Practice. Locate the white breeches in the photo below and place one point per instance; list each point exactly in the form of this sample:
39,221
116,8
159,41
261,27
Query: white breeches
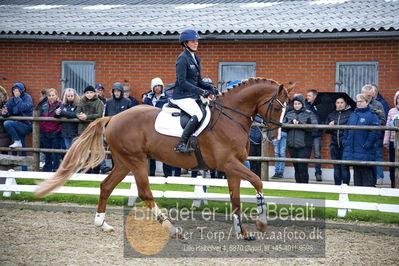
189,106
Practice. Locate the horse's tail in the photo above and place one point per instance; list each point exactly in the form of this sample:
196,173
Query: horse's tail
86,152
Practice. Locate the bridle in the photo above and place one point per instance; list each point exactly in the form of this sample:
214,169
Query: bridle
268,114
266,118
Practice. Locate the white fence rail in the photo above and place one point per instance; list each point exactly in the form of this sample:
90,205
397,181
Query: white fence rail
343,204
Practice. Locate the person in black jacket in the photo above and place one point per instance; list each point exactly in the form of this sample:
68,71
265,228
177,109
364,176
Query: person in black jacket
189,86
117,103
299,141
339,117
317,134
69,130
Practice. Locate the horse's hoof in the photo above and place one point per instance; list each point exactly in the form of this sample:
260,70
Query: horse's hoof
250,238
261,226
177,236
107,228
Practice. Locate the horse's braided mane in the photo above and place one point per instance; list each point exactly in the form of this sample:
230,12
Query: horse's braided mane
251,81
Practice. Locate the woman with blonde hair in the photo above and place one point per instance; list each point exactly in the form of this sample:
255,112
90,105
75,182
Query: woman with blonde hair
360,145
70,102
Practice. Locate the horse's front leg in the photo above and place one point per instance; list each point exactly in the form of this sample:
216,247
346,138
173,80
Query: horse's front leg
234,188
240,171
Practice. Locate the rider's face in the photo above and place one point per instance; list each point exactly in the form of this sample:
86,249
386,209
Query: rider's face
193,45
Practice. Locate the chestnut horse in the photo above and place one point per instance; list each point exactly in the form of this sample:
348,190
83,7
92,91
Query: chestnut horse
224,146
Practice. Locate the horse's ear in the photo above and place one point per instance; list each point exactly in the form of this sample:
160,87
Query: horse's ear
291,86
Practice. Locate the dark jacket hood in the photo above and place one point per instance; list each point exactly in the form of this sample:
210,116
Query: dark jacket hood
20,86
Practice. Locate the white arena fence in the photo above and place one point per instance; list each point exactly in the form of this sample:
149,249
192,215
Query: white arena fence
199,196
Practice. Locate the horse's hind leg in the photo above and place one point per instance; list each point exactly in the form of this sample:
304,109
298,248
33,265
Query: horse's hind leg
117,174
143,187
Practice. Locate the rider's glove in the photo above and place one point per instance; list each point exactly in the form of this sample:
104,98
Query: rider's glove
205,93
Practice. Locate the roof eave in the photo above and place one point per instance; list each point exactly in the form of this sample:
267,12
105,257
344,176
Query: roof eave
212,36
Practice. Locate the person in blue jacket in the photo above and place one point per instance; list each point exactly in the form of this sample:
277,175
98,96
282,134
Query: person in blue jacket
20,104
189,86
360,145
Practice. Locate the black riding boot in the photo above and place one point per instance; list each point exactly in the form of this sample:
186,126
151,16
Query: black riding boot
182,146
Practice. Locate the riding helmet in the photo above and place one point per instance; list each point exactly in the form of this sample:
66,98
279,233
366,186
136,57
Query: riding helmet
188,35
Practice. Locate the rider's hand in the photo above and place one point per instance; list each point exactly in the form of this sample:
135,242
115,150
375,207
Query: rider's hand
205,93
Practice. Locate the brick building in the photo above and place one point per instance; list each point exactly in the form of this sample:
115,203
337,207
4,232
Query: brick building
330,45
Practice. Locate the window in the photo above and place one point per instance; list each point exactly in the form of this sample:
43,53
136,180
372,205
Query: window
352,76
78,75
231,71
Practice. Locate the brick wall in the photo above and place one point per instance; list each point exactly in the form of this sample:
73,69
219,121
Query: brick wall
309,64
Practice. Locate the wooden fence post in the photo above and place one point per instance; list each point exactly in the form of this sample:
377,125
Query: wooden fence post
36,141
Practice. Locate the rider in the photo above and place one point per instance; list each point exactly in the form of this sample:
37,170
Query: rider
189,86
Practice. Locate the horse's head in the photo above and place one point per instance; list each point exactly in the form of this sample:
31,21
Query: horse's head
273,110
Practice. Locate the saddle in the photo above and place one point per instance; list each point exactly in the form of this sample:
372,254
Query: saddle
172,120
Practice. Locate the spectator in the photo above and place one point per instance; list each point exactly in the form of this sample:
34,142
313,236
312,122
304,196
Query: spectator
299,141
339,117
280,146
156,97
316,134
117,104
100,92
359,145
69,130
5,139
126,94
372,92
42,99
20,104
255,146
90,108
50,131
389,137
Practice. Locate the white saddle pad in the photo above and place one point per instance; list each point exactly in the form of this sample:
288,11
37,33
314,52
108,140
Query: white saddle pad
167,124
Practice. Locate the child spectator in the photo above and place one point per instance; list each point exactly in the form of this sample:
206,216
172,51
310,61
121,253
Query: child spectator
360,145
389,137
50,132
70,102
90,108
300,141
339,117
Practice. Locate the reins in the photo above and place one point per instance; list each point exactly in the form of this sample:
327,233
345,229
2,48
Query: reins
218,106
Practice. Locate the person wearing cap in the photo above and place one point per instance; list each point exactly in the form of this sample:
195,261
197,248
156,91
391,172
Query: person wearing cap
90,107
126,94
189,86
100,92
300,141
